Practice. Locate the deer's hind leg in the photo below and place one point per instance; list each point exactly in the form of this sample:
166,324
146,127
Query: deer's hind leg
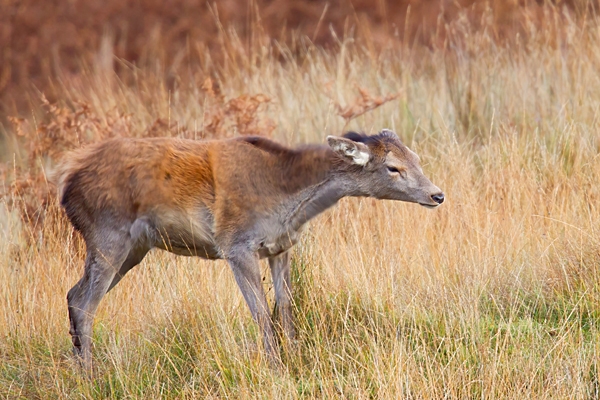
104,259
141,236
135,256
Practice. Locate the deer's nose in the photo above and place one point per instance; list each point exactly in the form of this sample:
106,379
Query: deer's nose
438,198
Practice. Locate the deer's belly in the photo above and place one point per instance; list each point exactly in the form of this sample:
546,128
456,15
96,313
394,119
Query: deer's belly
187,235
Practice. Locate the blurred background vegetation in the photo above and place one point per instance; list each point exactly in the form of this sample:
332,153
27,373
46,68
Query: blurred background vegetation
42,42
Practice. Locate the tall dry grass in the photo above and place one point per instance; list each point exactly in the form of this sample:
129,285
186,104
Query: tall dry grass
44,41
495,294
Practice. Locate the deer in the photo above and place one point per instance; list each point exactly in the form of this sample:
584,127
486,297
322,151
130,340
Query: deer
241,200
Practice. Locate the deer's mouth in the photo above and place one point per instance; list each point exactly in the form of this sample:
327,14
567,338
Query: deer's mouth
437,198
429,205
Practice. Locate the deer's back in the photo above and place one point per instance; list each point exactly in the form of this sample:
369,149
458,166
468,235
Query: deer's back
187,191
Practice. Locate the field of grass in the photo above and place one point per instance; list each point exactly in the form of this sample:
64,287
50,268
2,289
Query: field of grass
496,294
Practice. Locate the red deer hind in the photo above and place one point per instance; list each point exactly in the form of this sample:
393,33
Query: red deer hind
240,199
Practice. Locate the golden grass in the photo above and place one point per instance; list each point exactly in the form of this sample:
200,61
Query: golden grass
495,294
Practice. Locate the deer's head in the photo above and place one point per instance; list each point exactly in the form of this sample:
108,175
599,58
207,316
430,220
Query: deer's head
381,166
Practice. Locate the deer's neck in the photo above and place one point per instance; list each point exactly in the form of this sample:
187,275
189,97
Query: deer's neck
320,182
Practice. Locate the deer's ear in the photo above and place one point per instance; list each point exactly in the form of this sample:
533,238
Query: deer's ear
351,151
389,133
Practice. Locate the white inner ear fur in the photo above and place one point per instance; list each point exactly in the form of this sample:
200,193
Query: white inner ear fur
359,157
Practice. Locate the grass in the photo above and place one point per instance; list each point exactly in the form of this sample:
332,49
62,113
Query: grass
494,295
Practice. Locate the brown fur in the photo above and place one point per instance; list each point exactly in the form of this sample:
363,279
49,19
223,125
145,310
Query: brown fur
239,199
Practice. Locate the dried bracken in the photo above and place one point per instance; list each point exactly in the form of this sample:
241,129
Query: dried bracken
39,36
363,103
68,128
241,115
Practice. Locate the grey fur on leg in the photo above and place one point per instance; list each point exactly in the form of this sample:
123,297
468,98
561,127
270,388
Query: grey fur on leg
280,271
84,297
135,256
246,271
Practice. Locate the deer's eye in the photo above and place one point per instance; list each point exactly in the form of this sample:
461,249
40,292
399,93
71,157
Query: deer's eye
394,170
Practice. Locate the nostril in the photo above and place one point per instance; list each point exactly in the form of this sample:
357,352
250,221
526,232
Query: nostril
438,198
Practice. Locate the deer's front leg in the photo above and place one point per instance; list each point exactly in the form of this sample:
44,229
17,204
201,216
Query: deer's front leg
246,270
280,271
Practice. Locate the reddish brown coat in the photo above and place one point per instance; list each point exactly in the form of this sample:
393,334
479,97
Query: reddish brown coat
239,199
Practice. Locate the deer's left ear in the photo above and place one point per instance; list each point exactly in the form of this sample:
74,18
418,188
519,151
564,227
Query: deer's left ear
351,151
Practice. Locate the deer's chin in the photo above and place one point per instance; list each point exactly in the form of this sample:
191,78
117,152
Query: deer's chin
429,205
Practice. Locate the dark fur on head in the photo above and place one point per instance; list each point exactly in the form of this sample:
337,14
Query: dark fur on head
379,144
366,139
